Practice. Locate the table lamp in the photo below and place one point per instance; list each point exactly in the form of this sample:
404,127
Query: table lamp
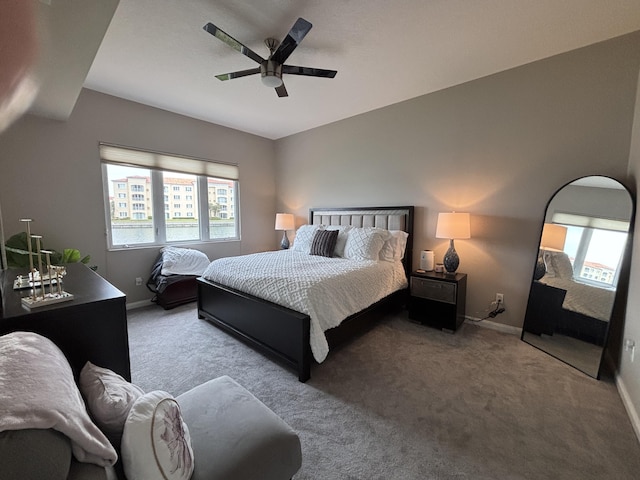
452,225
553,239
285,221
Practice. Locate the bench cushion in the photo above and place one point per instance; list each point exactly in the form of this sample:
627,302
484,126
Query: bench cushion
234,435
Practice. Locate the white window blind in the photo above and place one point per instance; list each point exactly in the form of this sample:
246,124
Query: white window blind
166,162
590,222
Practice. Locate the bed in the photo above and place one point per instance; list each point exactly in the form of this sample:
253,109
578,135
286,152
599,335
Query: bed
586,309
286,333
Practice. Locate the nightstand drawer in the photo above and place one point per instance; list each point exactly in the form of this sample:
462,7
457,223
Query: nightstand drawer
433,290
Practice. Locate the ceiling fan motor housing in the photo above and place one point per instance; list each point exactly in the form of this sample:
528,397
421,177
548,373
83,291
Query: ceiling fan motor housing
271,73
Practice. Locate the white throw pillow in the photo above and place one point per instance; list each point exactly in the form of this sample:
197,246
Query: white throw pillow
183,261
365,243
156,441
343,234
109,397
393,249
304,238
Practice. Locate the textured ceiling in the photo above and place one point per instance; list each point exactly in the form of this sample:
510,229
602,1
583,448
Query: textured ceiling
156,52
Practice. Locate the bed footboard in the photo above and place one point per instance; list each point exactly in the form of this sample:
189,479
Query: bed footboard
275,330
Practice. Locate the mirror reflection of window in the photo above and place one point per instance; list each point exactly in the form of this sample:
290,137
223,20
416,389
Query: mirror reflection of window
595,247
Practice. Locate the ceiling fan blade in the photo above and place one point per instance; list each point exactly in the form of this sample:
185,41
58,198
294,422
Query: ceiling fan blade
292,40
241,73
282,91
312,72
232,42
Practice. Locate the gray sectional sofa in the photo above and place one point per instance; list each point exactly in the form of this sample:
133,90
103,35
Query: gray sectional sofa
233,435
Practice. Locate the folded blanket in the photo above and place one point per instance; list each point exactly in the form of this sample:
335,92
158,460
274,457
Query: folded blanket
37,390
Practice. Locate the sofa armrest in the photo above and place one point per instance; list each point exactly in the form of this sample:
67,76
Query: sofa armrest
32,454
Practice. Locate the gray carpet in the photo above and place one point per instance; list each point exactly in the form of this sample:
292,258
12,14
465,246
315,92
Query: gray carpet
405,401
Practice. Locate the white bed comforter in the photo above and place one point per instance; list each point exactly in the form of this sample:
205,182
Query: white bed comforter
327,289
588,300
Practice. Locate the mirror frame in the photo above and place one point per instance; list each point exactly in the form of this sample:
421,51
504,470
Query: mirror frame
619,300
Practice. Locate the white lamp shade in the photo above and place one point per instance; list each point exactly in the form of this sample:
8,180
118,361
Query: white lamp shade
453,225
285,221
553,237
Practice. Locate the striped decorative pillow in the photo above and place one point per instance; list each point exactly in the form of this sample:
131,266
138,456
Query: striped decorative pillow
324,243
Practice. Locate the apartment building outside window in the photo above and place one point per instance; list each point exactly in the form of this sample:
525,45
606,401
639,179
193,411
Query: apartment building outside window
140,174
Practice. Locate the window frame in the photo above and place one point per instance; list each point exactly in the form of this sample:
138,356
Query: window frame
589,225
159,190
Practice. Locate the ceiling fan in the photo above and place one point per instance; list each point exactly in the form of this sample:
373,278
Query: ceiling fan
272,68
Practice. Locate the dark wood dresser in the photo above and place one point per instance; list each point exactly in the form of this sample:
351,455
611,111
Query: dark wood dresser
92,326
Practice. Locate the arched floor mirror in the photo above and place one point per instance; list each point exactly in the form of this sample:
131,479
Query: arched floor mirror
583,247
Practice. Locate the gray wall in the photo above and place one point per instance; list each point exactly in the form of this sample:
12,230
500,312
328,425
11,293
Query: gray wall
497,147
629,372
50,171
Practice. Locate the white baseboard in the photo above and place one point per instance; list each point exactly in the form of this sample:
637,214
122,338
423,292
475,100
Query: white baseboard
634,417
500,327
140,304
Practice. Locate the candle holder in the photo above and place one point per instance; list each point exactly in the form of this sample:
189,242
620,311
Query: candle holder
37,279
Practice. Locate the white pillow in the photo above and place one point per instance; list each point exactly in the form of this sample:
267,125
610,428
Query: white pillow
156,441
183,261
304,238
393,249
343,234
109,397
365,243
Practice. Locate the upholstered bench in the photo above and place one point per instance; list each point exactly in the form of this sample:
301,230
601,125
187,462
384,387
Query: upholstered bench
235,436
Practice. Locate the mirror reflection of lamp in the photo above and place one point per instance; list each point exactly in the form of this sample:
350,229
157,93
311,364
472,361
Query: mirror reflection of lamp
285,221
553,239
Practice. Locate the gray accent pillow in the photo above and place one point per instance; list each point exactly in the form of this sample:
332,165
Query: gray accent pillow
324,243
109,398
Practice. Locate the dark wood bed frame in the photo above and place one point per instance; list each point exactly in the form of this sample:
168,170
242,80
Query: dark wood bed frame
284,333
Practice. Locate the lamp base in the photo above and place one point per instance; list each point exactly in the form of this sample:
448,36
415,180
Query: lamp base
451,259
541,269
284,244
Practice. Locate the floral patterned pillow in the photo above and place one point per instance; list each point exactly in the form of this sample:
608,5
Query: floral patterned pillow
156,441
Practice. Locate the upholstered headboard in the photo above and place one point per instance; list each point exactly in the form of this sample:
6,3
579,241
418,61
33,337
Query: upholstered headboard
389,218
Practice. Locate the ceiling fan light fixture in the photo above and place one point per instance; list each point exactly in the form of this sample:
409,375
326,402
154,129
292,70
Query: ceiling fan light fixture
271,73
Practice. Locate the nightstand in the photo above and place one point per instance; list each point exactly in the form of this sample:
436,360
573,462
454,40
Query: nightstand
438,299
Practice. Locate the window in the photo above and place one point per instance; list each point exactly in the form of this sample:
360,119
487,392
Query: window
138,172
595,247
222,191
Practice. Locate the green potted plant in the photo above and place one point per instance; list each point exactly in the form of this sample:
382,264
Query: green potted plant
18,253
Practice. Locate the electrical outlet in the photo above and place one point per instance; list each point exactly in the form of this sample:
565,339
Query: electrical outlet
499,298
630,346
138,281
